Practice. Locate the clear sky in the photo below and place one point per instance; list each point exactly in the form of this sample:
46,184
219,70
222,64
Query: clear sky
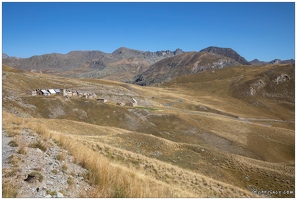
255,30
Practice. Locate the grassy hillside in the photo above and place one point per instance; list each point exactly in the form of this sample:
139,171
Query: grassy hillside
202,134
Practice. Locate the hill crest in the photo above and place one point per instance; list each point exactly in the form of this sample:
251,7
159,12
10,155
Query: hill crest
187,63
228,52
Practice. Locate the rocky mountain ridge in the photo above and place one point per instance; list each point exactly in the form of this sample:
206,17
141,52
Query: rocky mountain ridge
4,56
275,61
187,63
75,59
121,64
228,52
124,64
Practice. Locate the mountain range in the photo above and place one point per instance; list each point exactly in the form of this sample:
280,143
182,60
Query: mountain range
133,66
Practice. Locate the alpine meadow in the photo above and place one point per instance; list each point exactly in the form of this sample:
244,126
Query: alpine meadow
148,124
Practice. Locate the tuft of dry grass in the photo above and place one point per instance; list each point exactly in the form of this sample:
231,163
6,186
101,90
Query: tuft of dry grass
13,143
9,190
55,171
37,175
9,172
40,145
70,181
64,168
12,123
22,150
13,133
39,128
12,160
22,147
61,157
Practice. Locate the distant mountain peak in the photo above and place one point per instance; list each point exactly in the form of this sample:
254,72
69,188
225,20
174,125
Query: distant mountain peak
228,52
275,61
123,50
4,56
255,60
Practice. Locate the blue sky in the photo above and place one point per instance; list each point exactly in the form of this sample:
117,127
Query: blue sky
255,30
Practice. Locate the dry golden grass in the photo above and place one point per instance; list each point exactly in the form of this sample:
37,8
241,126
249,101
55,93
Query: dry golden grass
101,170
119,180
22,147
200,186
9,190
110,180
61,156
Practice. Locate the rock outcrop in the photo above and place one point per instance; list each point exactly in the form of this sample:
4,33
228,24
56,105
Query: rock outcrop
42,171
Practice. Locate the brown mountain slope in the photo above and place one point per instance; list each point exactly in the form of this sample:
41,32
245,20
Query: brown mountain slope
54,62
268,90
124,64
187,63
228,52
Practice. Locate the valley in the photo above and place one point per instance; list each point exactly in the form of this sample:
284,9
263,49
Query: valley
224,132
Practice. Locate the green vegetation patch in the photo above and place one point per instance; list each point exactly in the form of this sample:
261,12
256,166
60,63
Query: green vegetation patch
36,175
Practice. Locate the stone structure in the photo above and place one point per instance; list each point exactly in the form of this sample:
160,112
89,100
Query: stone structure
63,92
102,100
133,103
32,92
